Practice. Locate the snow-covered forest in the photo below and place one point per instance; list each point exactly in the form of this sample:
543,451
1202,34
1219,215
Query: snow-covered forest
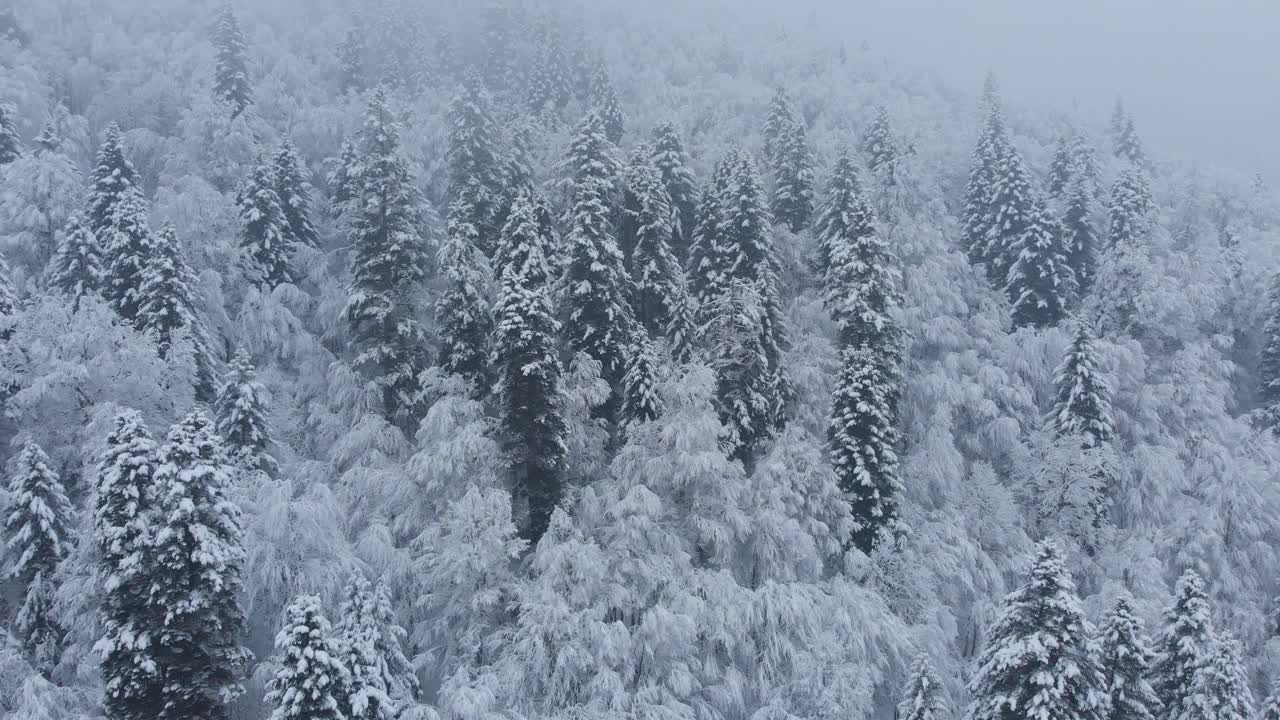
507,360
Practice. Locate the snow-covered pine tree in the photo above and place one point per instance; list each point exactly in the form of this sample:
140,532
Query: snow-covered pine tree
294,193
10,141
707,264
8,298
125,493
1126,661
477,165
1080,239
382,682
978,217
1013,206
640,401
265,238
656,275
879,146
1061,168
167,303
37,531
780,117
532,428
464,313
77,269
1039,657
193,572
344,179
1130,208
793,177
351,53
1184,644
1270,709
550,87
672,161
129,248
1040,282
600,323
312,683
1127,144
231,76
499,46
388,262
733,343
1085,165
1083,404
114,180
241,414
604,102
923,697
1269,361
1220,686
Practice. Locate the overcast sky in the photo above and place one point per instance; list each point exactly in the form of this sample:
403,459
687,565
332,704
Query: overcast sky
1202,77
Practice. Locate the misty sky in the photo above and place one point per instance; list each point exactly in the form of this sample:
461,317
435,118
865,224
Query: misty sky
1200,76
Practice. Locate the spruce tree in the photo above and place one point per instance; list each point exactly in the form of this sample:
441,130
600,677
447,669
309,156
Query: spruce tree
231,77
388,262
1130,208
499,45
1061,168
1186,640
1040,282
1270,709
672,161
532,428
733,343
779,119
114,180
923,695
1084,164
193,573
599,315
707,265
550,87
793,176
654,270
381,677
604,103
864,442
351,54
879,146
1039,661
167,302
1083,405
124,495
37,531
1126,661
640,401
476,165
464,311
988,158
1016,216
77,269
241,415
312,682
294,194
1220,687
10,141
1269,361
265,238
1127,144
344,179
1080,239
129,249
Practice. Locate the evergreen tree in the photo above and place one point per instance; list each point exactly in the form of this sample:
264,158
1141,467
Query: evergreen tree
1061,168
381,680
167,303
344,180
1039,661
312,683
193,575
1220,687
989,158
37,530
1084,164
864,444
1125,661
124,495
531,425
294,194
655,272
464,311
708,267
1130,208
10,141
1271,705
604,102
476,166
550,87
114,180
640,402
241,414
879,146
1187,639
129,248
1040,282
1269,361
265,237
500,69
1127,144
673,164
600,322
77,268
1016,215
388,262
923,695
780,118
1080,239
351,54
1083,405
231,77
793,174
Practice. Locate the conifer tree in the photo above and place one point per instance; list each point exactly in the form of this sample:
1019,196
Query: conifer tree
1062,167
1040,282
708,267
1270,709
550,87
10,141
129,248
1080,239
381,677
1083,405
231,77
1187,639
1127,144
476,165
672,161
780,117
344,180
193,573
640,402
1039,658
125,492
604,102
1220,687
351,54
388,262
793,175
1015,213
923,695
879,146
312,683
77,269
1130,208
464,311
654,270
265,237
988,159
114,179
532,427
167,302
1126,661
1084,164
294,194
599,315
241,415
1269,361
37,531
499,47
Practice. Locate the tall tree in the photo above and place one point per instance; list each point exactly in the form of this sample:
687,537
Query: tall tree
1083,405
923,695
1015,214
531,425
780,117
351,55
550,84
640,401
1126,662
656,275
129,247
114,179
1039,658
312,683
241,415
500,69
167,303
1130,208
989,157
1061,168
793,177
476,165
193,573
10,141
1080,239
231,76
1124,136
382,680
294,193
864,444
879,145
265,237
1269,361
1187,638
1270,709
37,530
464,312
388,262
673,163
344,178
1220,687
77,269
604,102
1040,282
